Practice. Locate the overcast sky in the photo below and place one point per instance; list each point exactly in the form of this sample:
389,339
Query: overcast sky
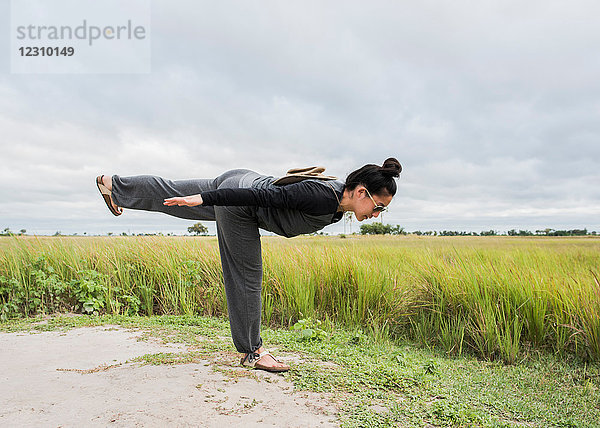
493,109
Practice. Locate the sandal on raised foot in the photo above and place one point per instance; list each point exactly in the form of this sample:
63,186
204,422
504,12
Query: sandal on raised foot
252,360
106,196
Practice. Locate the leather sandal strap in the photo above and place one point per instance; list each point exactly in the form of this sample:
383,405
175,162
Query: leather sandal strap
253,360
103,189
262,354
250,359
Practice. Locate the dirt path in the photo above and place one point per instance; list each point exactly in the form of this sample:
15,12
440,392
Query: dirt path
81,378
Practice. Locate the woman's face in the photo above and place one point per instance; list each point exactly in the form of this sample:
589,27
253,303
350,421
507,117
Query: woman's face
363,204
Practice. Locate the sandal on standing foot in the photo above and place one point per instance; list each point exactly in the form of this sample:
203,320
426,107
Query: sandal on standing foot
252,360
106,196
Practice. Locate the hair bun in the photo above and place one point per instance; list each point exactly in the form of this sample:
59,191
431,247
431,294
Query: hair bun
391,168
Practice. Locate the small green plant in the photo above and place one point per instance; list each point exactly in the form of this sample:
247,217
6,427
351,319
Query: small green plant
131,303
90,292
309,329
11,293
47,292
358,338
429,367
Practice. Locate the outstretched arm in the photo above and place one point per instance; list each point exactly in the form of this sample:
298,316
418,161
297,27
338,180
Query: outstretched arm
185,201
306,196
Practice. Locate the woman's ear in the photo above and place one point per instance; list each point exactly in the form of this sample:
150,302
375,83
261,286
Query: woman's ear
360,190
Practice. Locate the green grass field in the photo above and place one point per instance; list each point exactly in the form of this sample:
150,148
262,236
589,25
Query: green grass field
494,297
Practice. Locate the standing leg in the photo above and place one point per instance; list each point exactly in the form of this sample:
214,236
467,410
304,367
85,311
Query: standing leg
239,245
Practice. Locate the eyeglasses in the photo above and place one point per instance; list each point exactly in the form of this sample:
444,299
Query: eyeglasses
378,208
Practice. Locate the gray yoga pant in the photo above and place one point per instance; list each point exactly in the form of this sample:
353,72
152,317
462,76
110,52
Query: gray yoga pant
237,233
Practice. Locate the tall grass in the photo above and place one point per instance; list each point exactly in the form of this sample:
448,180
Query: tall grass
496,297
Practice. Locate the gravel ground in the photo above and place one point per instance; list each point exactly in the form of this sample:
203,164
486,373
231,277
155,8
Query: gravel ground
82,378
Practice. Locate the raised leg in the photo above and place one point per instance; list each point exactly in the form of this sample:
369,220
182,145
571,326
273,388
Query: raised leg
148,192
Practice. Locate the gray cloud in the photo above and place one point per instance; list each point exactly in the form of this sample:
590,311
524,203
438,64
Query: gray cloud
492,109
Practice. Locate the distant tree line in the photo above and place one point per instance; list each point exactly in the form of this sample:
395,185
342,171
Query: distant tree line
8,232
454,233
381,229
552,232
375,229
388,229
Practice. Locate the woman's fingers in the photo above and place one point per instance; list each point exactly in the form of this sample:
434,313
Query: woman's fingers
175,201
188,201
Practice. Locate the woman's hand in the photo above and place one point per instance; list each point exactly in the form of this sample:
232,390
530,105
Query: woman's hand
185,201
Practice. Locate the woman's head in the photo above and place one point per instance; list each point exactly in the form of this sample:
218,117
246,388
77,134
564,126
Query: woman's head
379,180
370,186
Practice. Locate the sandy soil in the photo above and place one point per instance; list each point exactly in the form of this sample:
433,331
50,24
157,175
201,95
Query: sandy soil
81,378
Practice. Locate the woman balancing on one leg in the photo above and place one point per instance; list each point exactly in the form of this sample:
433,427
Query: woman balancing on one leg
242,201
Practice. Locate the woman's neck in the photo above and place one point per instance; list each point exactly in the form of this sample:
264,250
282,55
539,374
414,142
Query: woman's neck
345,204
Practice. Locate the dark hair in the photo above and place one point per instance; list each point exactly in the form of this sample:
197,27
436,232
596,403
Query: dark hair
377,179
